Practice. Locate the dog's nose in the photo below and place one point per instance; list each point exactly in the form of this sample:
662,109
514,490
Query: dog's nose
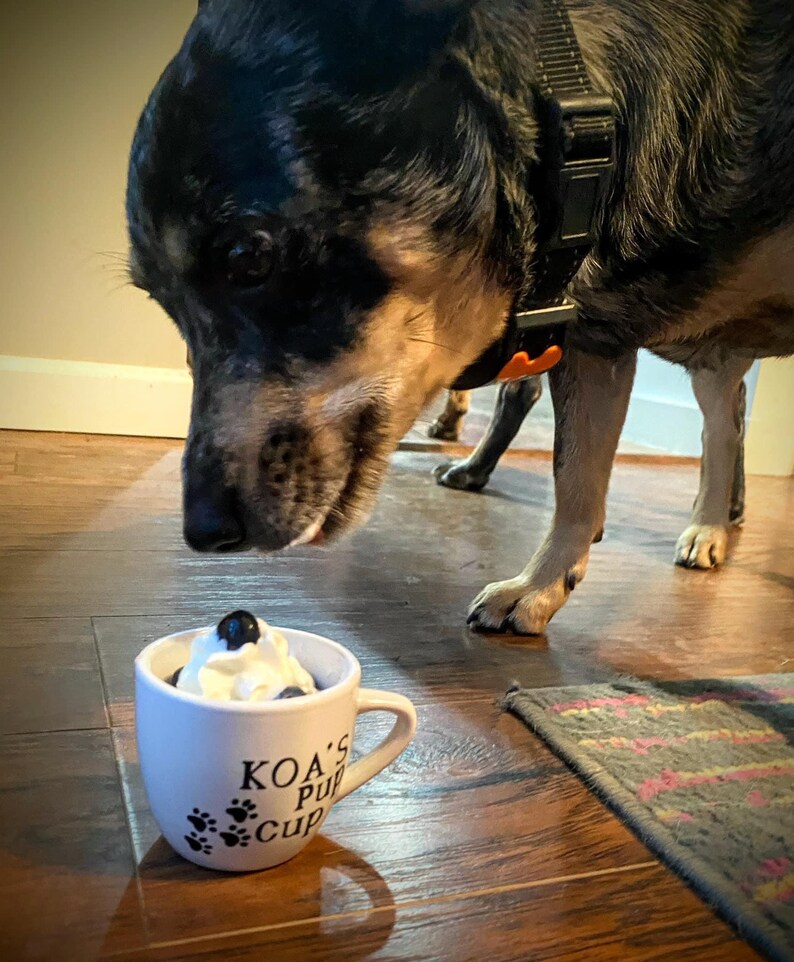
212,519
210,526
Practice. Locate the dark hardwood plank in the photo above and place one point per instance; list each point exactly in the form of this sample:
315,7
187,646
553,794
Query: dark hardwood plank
87,512
50,676
65,858
476,801
56,445
8,461
640,915
92,461
89,492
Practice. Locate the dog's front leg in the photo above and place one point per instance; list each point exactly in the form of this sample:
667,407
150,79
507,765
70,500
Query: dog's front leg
590,398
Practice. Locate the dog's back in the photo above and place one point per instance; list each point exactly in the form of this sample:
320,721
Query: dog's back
705,175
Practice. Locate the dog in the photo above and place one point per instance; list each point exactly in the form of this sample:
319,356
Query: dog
334,203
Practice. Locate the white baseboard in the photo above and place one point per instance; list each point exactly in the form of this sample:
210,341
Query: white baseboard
40,394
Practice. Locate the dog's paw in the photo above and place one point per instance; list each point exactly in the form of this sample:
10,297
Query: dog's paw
517,606
444,430
702,546
458,475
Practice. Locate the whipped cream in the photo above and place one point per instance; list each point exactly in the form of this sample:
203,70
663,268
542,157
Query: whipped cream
254,671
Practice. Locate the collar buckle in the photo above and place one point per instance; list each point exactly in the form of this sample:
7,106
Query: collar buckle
579,162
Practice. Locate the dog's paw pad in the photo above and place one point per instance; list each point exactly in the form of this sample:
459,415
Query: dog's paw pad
702,546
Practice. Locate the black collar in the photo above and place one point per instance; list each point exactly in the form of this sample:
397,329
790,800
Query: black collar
569,187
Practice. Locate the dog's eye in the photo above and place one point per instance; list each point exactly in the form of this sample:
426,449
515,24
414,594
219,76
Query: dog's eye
250,259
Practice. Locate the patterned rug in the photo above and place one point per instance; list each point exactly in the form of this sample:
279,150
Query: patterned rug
703,772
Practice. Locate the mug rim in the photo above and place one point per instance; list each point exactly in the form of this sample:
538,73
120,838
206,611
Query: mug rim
351,680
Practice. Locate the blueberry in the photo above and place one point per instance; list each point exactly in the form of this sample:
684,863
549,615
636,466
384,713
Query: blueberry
291,691
238,629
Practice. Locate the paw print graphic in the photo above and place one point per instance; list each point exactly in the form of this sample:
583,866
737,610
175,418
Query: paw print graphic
202,822
241,810
236,836
199,843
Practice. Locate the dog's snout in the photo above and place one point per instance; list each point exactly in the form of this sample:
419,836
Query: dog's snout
282,452
212,517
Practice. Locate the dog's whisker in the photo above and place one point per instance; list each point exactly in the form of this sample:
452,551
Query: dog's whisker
425,340
115,257
120,275
121,286
117,263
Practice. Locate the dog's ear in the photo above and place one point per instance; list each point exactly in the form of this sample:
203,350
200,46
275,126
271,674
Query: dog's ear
373,45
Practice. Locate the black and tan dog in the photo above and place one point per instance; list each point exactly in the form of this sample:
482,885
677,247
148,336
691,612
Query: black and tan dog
334,203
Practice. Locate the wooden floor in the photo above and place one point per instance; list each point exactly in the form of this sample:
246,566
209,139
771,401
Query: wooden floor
477,844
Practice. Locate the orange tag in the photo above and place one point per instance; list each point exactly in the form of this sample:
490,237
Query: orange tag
522,365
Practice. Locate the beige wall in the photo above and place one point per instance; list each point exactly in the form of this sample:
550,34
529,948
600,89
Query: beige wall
770,438
74,76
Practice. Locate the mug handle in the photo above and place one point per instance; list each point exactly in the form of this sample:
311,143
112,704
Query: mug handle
402,732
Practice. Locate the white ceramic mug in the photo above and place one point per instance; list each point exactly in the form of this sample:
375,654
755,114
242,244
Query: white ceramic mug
240,786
